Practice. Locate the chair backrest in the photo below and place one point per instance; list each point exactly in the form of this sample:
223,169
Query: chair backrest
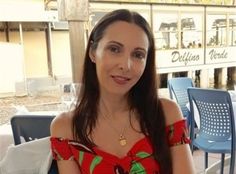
29,127
178,90
215,112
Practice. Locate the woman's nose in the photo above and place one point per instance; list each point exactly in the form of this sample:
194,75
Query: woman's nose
125,63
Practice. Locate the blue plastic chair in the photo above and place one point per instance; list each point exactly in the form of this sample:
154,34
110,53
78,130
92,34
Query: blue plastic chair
217,127
178,90
30,127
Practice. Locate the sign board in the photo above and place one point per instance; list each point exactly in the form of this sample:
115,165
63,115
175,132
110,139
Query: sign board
220,55
179,58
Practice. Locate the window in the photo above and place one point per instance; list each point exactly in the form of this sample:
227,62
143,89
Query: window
216,30
191,30
165,30
232,30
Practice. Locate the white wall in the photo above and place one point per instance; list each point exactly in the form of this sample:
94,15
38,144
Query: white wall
11,66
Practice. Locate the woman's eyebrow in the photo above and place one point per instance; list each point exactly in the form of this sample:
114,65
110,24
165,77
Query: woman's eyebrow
120,44
115,42
141,49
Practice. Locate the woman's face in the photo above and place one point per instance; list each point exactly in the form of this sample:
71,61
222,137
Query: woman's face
120,57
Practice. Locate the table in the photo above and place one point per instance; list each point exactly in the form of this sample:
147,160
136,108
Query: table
6,137
33,157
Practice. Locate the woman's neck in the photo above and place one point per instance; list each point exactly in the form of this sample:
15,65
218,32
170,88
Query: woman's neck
113,105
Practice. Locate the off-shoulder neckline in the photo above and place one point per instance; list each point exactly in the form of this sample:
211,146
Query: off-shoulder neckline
134,148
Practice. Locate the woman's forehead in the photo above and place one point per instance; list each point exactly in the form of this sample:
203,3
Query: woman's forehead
125,32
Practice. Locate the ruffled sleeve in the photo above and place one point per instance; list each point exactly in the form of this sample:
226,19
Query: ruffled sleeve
177,133
65,149
61,149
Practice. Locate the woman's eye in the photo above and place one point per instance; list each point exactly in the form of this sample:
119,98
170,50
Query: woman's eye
139,55
114,49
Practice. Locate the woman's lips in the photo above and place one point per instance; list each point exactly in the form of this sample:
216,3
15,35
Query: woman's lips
120,80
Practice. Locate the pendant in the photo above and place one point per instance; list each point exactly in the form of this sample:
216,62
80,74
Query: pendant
122,140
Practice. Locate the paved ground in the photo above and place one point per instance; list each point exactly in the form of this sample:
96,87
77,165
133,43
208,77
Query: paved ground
8,105
42,102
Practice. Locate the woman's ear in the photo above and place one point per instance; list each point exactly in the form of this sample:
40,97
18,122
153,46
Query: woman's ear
91,55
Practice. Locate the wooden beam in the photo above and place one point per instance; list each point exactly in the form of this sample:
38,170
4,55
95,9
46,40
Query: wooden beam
77,48
76,13
48,33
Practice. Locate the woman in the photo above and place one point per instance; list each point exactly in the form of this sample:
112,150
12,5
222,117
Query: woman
120,125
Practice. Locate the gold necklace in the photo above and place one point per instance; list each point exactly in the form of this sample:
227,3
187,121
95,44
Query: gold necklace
122,139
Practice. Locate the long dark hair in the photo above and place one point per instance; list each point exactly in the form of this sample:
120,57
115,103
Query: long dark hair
143,96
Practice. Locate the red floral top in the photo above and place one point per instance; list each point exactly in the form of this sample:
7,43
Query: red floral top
139,159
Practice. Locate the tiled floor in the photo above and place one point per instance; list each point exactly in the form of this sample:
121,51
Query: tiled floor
198,157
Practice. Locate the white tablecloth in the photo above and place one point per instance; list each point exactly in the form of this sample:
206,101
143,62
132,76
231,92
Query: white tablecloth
6,137
33,157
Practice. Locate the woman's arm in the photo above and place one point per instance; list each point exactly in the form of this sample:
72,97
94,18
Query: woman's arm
182,160
61,127
181,155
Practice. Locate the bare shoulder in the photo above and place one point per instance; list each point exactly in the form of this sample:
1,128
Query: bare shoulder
171,111
61,125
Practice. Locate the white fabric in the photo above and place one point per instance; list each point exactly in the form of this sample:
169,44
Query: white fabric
33,157
20,110
232,95
196,113
6,139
